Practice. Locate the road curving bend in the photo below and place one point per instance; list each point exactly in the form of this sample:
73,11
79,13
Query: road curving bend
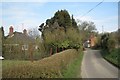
94,66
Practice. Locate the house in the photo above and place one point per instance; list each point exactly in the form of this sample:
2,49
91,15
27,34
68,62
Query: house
18,42
86,44
1,39
92,41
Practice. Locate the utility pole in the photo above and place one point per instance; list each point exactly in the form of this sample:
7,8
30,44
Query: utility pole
102,29
22,26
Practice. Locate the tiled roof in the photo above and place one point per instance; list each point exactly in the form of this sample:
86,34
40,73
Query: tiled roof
20,38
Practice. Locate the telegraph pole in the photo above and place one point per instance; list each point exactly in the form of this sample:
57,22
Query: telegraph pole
22,26
102,29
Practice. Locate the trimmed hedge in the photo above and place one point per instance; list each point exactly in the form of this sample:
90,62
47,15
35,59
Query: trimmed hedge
49,67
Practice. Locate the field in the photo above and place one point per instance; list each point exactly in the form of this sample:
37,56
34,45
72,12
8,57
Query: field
50,67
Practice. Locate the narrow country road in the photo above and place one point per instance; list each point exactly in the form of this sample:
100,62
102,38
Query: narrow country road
94,66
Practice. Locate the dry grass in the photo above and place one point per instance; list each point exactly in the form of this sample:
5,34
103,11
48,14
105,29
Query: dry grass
49,67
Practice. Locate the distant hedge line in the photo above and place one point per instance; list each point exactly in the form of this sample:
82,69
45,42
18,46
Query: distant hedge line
18,54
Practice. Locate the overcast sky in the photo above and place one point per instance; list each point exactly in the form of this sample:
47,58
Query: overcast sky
31,14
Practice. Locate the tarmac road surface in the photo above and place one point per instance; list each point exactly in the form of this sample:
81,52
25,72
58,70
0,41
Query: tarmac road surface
94,66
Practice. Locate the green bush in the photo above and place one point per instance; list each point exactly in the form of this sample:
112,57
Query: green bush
112,56
111,44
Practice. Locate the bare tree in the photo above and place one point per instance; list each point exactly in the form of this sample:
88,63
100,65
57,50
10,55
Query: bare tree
34,33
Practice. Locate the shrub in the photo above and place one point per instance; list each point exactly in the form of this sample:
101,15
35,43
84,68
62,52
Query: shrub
111,44
112,56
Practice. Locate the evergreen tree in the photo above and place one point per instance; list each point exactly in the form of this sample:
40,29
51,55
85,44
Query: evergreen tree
74,24
62,17
60,32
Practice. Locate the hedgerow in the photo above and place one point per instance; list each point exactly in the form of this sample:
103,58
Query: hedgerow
49,67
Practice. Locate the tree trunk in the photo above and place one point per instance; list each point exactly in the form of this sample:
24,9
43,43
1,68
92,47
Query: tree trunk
50,51
31,49
62,49
56,49
31,56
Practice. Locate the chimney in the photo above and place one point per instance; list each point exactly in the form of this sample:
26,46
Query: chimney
25,32
10,30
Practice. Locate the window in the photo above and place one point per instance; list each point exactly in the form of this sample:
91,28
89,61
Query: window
24,47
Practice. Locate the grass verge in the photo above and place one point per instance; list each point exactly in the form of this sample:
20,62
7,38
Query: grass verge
112,57
73,70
